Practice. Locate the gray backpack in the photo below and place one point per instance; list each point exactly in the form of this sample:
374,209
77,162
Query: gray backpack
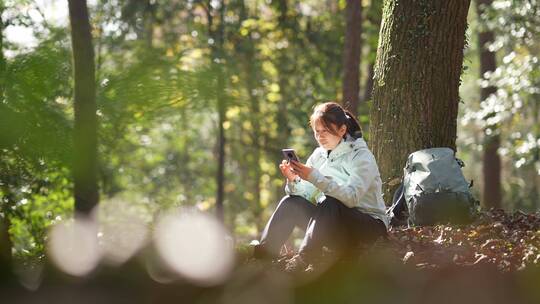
434,189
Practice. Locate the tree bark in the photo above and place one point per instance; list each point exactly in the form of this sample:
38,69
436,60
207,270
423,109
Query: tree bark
417,75
491,163
368,87
85,125
351,55
373,17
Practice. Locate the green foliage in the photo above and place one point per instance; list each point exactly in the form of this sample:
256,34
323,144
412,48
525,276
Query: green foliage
35,104
48,199
513,111
35,144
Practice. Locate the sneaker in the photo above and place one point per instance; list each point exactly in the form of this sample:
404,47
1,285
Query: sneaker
259,253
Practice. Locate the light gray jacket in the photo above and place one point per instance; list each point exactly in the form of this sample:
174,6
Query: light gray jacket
350,174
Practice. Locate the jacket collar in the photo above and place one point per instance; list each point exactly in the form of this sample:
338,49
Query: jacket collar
345,146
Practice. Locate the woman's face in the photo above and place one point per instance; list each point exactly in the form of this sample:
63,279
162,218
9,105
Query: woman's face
325,138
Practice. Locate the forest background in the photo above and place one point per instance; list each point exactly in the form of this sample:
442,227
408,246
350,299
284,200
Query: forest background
195,100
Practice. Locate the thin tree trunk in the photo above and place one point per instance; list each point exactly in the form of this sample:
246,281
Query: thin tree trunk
283,128
5,240
417,74
492,161
491,169
250,68
255,135
85,135
2,57
283,65
535,179
351,55
149,19
217,55
373,17
185,159
221,154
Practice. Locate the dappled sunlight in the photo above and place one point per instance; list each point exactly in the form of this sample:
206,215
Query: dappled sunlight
195,245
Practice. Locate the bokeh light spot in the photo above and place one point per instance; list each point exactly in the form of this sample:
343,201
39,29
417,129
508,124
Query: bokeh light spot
196,246
73,246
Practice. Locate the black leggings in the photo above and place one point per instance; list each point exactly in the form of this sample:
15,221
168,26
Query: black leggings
329,223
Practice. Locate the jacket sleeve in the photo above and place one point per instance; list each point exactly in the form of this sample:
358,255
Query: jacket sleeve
362,170
303,188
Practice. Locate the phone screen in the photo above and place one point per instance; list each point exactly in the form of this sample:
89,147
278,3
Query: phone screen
289,154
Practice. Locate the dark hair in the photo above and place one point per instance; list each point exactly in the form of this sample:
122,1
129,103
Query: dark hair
329,113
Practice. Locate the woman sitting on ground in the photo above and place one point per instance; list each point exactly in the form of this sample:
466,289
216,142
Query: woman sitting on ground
335,197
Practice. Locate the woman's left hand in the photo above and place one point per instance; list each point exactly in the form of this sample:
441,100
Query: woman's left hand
302,170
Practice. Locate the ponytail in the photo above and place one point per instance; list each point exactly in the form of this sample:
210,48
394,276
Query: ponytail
353,127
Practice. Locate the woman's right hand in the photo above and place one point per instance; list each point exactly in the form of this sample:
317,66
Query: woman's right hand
287,171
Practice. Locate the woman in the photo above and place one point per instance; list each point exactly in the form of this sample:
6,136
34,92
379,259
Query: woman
336,196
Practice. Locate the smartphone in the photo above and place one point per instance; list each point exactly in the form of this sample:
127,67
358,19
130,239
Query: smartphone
289,154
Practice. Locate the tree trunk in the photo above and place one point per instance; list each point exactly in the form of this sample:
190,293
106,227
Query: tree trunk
491,169
2,57
85,126
185,158
373,17
217,55
255,136
351,55
535,176
368,87
417,75
148,20
220,178
491,196
5,240
251,70
284,68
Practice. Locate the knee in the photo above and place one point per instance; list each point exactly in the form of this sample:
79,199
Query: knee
330,207
290,201
293,202
331,203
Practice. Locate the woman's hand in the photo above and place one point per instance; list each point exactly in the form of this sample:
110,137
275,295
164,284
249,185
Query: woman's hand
287,171
302,170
